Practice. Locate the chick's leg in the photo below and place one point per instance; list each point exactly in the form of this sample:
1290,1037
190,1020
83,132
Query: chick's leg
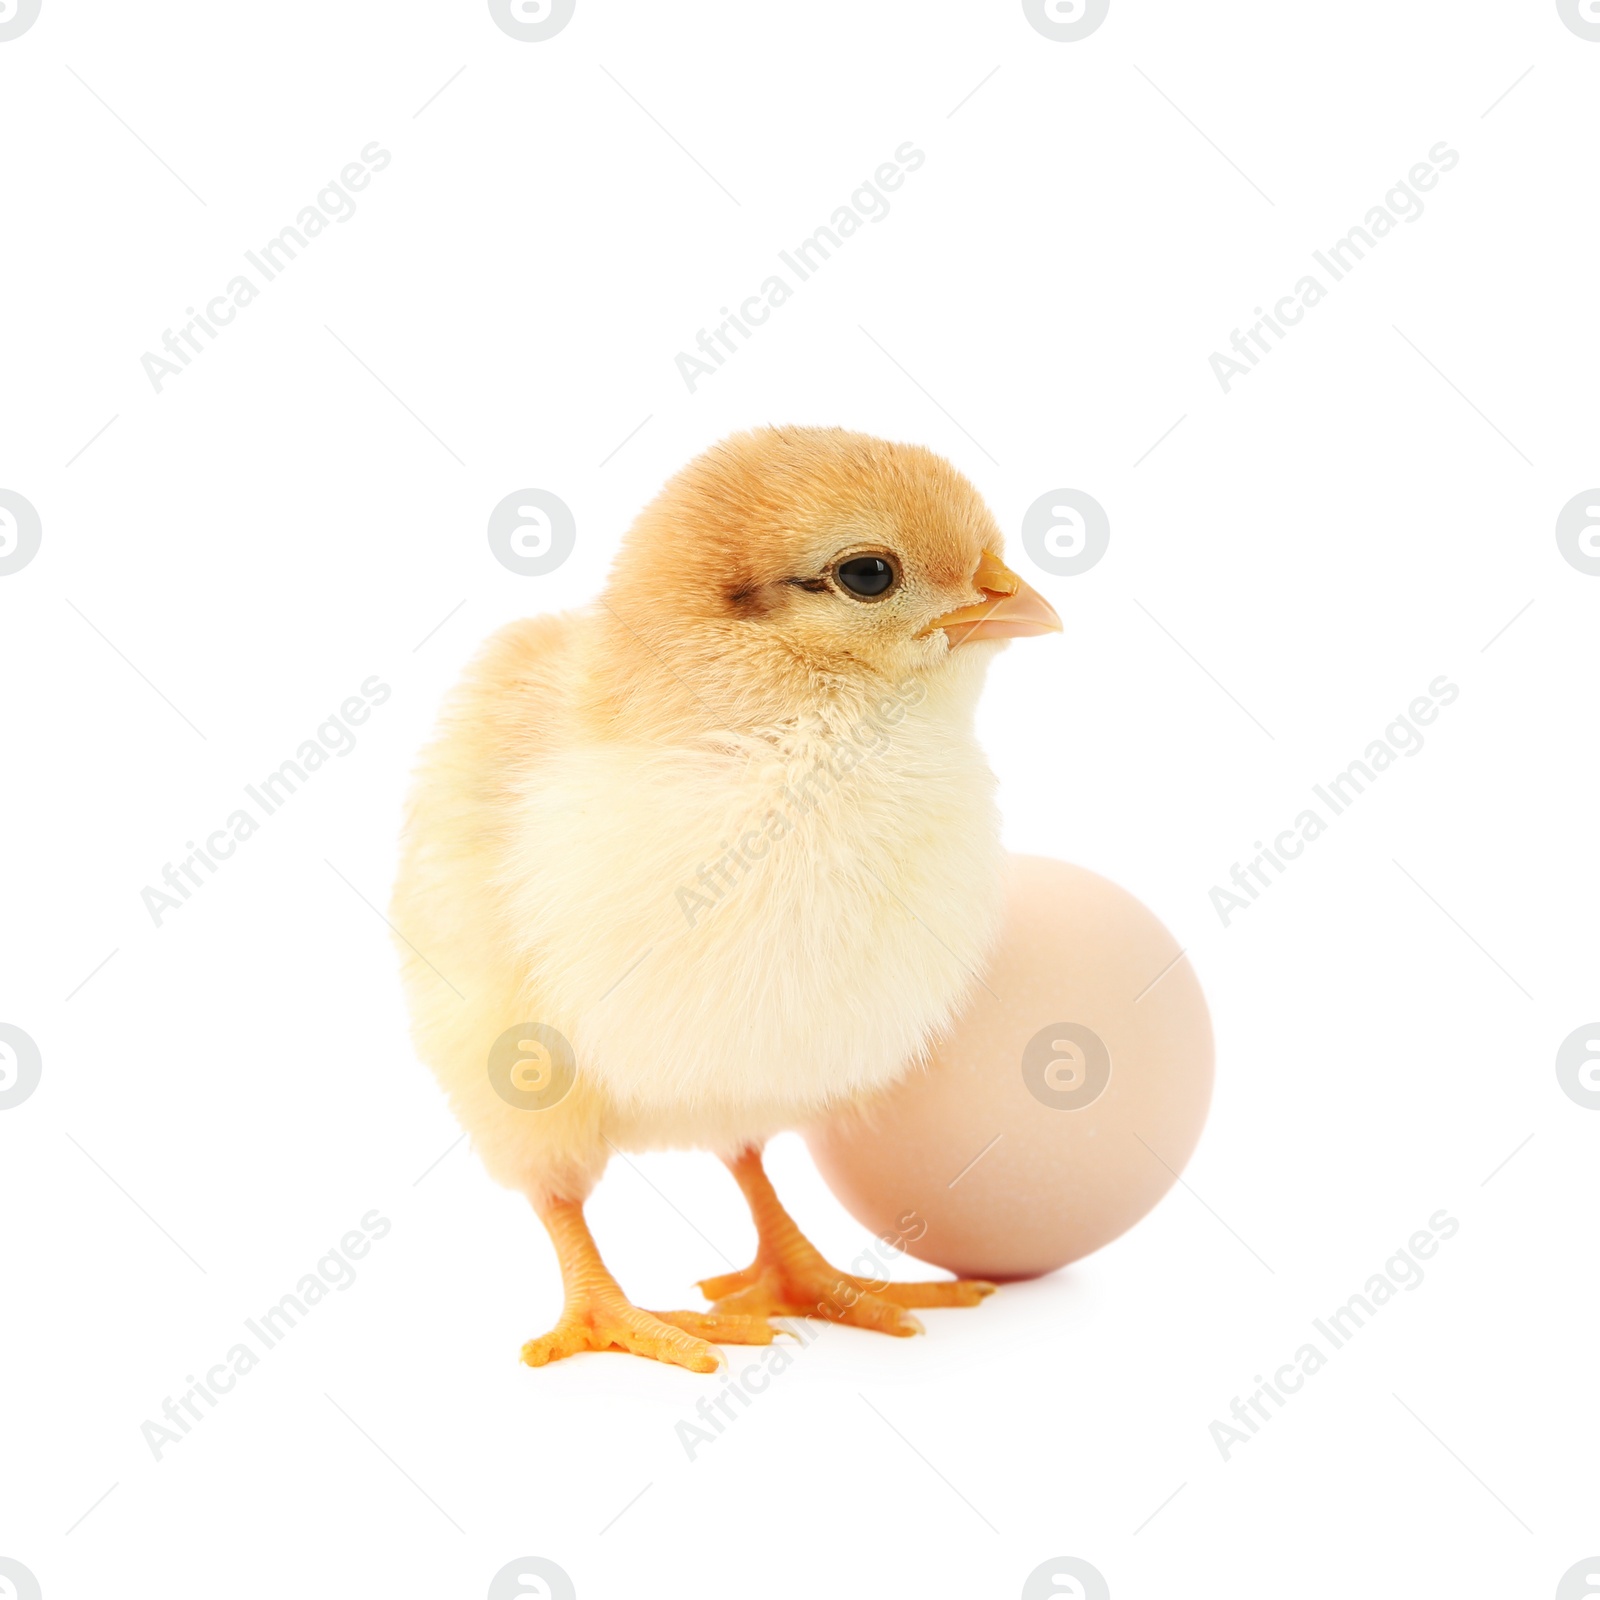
599,1316
790,1277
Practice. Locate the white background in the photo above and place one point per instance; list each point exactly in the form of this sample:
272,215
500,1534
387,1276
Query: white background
1370,508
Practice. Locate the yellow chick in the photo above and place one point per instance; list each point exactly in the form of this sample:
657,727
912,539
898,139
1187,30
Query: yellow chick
717,855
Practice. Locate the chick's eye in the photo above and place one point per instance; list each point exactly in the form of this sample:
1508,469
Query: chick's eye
866,577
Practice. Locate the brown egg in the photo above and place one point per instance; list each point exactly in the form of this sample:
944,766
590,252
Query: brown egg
1062,1105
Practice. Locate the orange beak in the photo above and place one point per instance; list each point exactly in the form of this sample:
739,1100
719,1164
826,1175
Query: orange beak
1010,609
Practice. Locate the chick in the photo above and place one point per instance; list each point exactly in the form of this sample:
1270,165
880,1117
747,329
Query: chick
717,855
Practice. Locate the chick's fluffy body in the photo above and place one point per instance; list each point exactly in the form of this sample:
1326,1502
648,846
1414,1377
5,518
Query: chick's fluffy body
712,712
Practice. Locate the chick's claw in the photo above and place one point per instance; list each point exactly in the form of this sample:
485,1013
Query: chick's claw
807,1290
721,1327
944,1292
790,1276
939,1292
619,1325
599,1316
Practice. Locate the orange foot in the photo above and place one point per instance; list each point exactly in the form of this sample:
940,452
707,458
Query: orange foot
599,1316
790,1276
609,1321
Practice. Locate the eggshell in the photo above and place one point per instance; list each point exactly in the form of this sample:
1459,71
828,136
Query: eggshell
1061,1106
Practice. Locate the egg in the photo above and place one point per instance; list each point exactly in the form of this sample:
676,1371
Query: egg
1059,1108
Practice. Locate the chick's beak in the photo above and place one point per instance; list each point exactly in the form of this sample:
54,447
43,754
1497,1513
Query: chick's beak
1010,609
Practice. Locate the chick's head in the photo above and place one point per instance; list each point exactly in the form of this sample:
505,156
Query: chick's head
785,560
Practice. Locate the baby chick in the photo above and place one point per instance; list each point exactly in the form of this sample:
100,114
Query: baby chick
717,855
